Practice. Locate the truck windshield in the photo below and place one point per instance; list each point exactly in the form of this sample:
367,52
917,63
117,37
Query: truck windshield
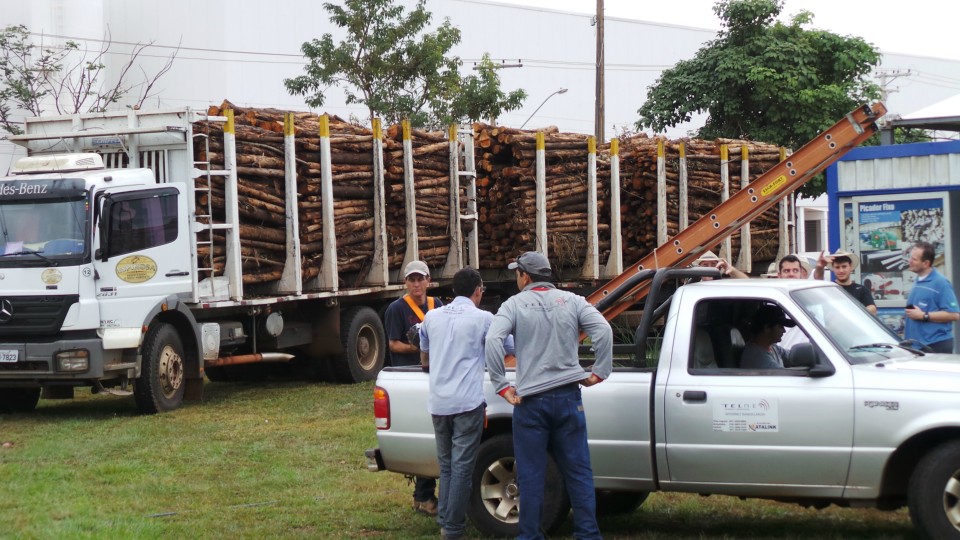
860,335
49,231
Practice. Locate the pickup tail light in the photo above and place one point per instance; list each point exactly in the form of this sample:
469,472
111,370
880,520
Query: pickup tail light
381,408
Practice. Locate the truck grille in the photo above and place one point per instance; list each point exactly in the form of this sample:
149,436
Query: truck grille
33,315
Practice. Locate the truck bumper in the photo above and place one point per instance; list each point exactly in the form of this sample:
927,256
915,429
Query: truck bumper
37,362
374,460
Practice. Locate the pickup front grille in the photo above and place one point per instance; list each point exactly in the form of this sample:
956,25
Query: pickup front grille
33,315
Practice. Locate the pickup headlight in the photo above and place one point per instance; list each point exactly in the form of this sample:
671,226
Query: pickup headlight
73,360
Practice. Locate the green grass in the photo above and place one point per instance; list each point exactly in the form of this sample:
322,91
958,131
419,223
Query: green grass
285,460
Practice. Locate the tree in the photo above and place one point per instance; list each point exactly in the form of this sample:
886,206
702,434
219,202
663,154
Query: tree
392,65
34,78
765,80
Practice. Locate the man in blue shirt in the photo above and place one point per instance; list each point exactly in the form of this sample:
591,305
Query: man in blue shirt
932,305
451,348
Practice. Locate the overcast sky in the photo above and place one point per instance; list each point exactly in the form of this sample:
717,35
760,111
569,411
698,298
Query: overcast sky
920,27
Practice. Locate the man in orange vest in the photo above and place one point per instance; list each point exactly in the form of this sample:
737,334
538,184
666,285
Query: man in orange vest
404,314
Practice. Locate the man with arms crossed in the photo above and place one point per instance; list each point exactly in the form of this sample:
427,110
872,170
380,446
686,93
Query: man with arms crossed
932,305
548,414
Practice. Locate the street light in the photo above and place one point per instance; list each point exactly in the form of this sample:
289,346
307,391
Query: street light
560,91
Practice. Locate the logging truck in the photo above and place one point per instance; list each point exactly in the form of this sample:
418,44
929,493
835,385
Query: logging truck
144,250
114,277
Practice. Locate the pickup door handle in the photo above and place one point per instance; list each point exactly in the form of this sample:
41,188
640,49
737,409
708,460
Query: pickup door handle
177,273
694,395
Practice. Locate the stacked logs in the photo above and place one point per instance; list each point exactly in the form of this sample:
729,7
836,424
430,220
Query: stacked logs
506,194
260,172
638,199
431,182
506,201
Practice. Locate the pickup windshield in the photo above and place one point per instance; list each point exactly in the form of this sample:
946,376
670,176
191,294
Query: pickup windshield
860,335
45,232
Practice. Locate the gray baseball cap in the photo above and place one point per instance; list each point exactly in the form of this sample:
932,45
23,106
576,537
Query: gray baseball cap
532,262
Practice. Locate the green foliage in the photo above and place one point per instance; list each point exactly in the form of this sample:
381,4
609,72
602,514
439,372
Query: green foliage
389,62
64,78
765,80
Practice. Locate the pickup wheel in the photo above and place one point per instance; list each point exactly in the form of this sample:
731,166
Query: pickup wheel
934,492
162,380
494,505
610,503
364,345
18,400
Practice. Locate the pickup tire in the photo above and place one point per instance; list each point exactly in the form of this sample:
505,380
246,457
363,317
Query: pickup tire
364,345
934,492
162,371
494,507
18,400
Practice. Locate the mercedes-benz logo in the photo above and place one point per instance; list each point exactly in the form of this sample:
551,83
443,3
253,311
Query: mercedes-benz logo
6,310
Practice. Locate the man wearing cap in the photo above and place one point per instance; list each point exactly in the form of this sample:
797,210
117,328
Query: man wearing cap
932,305
402,315
842,264
548,414
767,327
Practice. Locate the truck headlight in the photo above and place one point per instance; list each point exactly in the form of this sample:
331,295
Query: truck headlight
74,360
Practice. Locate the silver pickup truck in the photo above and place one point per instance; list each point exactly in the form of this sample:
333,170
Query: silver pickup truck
856,418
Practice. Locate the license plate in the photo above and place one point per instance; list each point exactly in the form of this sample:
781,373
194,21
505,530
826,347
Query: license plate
9,355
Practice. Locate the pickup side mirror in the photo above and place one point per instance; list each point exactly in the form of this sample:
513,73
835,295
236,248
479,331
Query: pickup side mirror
804,355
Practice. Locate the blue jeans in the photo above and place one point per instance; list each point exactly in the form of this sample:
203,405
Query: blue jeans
553,421
458,441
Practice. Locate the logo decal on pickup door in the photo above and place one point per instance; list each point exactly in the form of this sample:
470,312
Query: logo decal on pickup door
759,415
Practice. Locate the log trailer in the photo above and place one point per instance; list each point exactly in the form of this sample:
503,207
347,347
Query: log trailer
100,279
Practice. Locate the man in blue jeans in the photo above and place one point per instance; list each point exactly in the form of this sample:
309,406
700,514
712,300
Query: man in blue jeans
451,349
548,414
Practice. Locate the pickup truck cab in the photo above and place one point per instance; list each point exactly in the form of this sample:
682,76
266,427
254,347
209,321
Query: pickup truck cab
855,418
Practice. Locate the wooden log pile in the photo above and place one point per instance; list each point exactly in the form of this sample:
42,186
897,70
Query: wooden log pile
431,181
506,201
506,194
638,199
260,171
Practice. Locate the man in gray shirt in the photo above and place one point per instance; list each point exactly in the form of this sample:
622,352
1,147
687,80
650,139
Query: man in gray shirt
548,414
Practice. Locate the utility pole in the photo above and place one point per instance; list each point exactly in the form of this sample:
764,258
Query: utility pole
598,119
886,77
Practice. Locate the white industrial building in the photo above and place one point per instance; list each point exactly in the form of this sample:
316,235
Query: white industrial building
244,49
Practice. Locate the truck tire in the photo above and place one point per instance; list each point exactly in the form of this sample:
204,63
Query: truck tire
364,345
611,503
18,400
494,507
162,371
934,492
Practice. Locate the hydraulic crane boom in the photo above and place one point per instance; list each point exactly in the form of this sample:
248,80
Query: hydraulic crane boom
619,294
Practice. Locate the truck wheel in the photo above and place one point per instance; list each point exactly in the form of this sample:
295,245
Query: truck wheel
18,400
364,345
494,505
611,503
934,492
162,381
